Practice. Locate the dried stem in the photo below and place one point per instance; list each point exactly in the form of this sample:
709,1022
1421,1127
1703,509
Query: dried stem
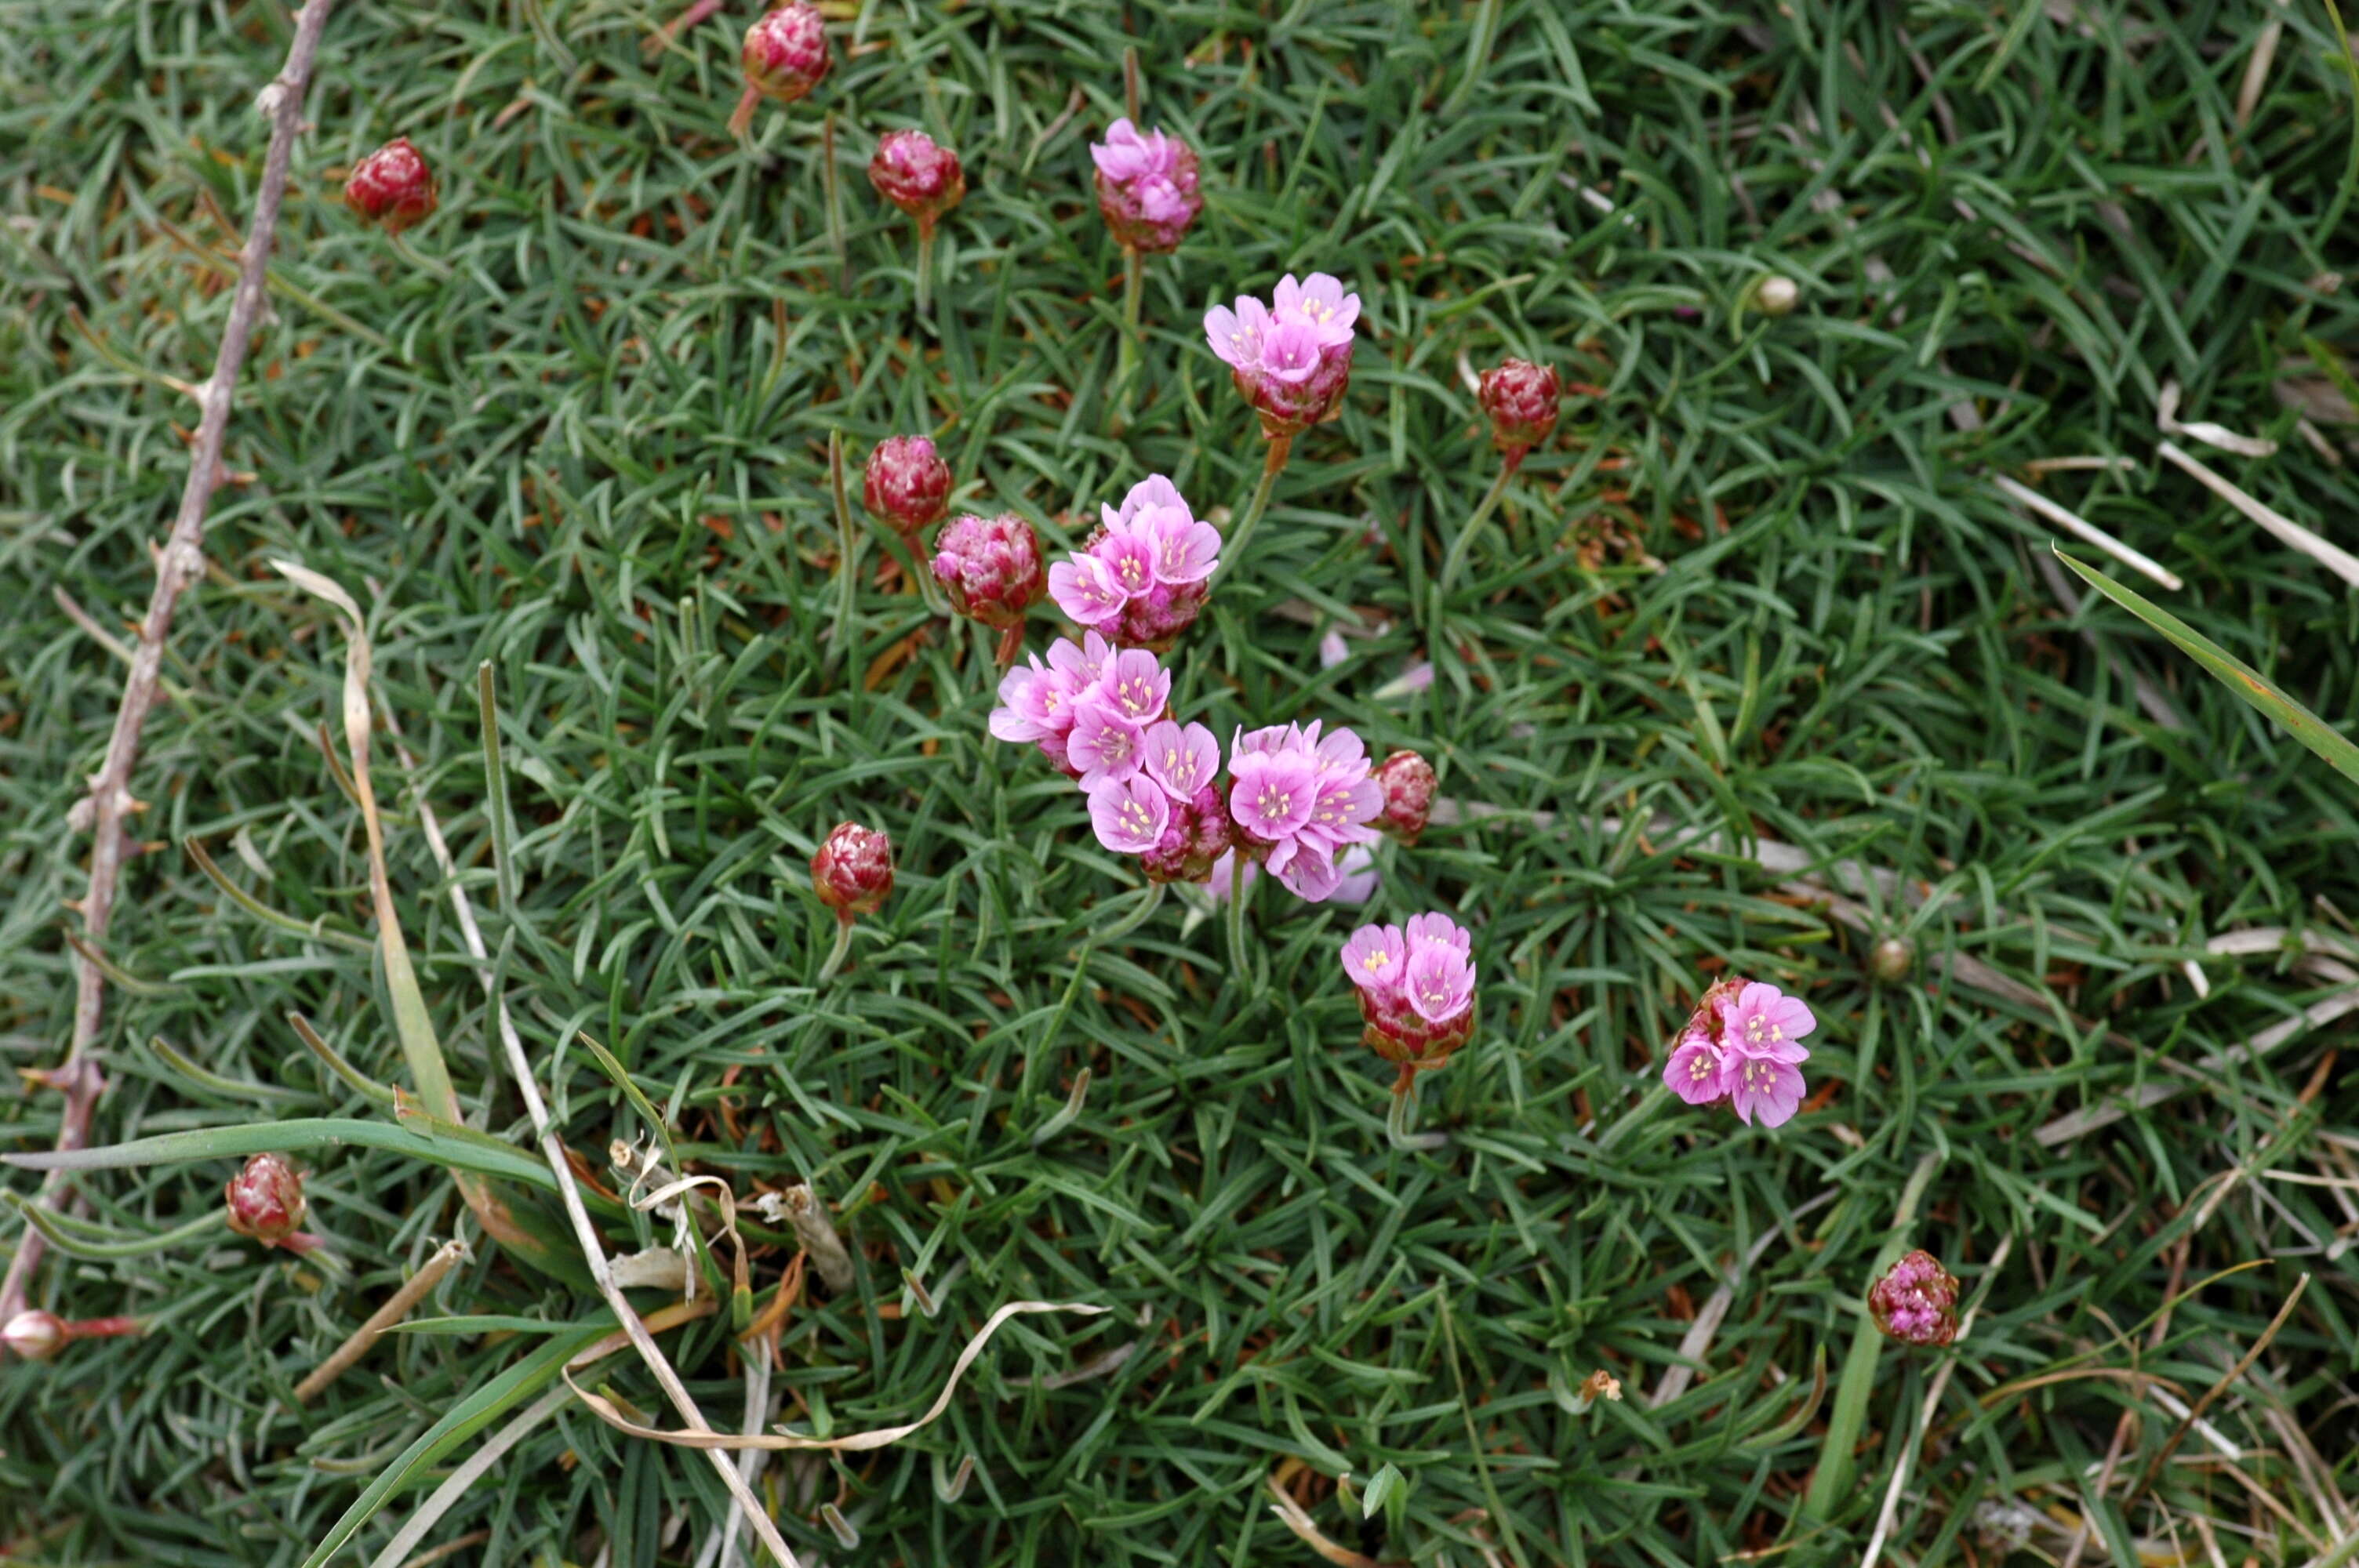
180,563
395,1308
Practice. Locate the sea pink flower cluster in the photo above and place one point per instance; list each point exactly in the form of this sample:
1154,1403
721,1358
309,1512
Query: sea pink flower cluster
783,57
918,175
1147,187
1299,798
1140,579
1416,987
1916,1302
1292,359
1742,1049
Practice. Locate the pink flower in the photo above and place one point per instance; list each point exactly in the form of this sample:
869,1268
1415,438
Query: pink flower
1086,589
1356,878
1136,685
1272,794
1759,1086
1695,1071
1291,360
919,176
1183,761
1145,187
1181,549
1741,1048
1130,815
1103,744
1762,1021
1041,702
785,57
1199,836
1416,987
1299,799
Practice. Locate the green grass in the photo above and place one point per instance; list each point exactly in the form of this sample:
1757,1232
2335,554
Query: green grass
1755,587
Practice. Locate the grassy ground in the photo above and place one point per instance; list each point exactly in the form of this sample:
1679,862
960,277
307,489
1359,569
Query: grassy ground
1759,586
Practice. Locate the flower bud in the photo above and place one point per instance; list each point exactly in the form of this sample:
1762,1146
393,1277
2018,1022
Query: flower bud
1891,960
852,872
1199,836
1520,399
785,57
392,186
35,1335
1147,187
1408,782
265,1199
919,176
1916,1302
907,484
1776,295
991,567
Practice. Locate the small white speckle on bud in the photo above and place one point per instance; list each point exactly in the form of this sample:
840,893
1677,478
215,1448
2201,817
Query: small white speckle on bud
1776,295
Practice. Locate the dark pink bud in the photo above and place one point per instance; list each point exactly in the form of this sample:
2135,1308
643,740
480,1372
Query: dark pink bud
785,57
918,177
852,872
1521,400
1408,782
1916,1302
907,484
1200,834
265,1199
991,567
1147,187
392,186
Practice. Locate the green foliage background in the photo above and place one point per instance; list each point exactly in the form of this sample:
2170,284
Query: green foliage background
1757,588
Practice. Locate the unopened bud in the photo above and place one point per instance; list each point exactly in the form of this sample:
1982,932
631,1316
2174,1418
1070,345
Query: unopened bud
1520,399
1916,1302
392,186
916,174
852,872
1408,782
34,1335
786,56
1776,295
907,484
991,567
265,1199
1891,960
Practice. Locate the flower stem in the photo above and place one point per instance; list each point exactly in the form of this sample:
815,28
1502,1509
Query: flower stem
1461,545
847,564
1272,461
1134,271
925,271
836,954
1011,642
1130,83
834,205
1149,899
1401,1120
1240,890
103,1327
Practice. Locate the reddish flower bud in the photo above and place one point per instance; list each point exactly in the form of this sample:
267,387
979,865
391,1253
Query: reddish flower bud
265,1199
1200,834
35,1335
1147,187
1408,782
905,484
921,177
392,186
991,567
852,872
1521,400
1916,1302
785,57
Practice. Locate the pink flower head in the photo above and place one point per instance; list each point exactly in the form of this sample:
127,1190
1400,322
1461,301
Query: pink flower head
1130,815
1130,559
265,1199
1034,701
1145,187
1416,988
1291,360
1183,761
1086,589
1136,685
1180,550
785,57
391,187
991,567
1271,796
916,175
1355,874
1762,1087
1916,1302
1103,744
1762,1021
1520,398
906,483
852,870
1741,1048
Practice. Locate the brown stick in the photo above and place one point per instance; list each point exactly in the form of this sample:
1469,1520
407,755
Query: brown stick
395,1308
180,562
